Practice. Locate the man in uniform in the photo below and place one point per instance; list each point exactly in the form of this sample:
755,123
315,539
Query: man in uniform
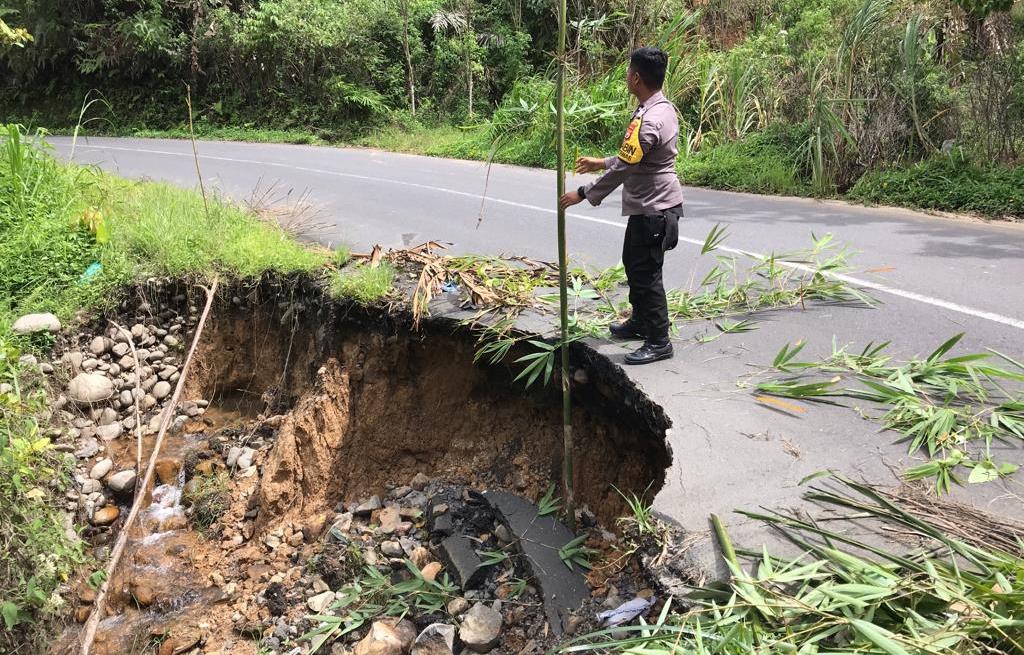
652,198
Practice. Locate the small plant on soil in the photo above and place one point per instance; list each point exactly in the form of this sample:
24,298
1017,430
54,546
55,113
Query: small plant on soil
209,496
373,596
952,409
363,283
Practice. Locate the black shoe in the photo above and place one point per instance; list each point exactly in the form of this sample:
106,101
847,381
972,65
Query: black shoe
627,330
651,351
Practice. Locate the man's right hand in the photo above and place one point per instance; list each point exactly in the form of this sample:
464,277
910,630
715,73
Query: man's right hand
589,165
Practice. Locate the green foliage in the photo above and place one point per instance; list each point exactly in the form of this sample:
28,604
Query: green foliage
840,595
37,551
374,595
71,236
363,283
949,184
209,496
951,409
765,162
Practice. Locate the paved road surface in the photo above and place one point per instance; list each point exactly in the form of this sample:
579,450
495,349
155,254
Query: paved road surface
934,276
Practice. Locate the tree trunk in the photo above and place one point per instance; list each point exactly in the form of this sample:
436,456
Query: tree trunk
470,37
409,70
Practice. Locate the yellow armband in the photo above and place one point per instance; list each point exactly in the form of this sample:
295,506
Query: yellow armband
631,152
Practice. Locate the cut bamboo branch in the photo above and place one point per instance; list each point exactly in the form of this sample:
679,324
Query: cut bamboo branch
89,635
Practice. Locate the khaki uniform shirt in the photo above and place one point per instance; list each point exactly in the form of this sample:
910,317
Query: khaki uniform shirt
646,163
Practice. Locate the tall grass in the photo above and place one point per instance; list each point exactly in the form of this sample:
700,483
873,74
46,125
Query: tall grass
70,236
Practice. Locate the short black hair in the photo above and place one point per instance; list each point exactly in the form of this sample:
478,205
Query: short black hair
650,63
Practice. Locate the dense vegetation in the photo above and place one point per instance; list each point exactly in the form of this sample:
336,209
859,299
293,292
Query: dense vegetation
783,96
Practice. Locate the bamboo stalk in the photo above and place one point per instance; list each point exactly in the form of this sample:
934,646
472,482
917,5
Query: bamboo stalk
563,296
122,540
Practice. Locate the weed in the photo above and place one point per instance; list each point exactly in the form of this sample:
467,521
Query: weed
549,503
37,552
363,283
375,595
576,553
209,496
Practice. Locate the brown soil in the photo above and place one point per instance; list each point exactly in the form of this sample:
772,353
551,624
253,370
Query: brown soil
375,404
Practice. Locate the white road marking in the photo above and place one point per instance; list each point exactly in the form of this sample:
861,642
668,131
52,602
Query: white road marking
867,284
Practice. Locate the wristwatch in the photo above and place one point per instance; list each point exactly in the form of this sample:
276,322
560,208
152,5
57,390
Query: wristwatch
581,192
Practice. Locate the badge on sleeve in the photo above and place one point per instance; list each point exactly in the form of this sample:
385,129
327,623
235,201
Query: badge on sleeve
631,152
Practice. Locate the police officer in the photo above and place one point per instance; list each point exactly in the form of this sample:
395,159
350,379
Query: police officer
652,198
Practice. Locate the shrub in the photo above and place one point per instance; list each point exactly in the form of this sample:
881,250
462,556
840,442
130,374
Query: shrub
765,162
37,552
947,183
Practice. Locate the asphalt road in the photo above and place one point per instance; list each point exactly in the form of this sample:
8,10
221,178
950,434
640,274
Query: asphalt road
934,277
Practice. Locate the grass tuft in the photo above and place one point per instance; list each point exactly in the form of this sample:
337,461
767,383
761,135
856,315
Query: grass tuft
363,283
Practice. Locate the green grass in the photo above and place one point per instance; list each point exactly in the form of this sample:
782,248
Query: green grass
363,283
57,221
765,162
947,184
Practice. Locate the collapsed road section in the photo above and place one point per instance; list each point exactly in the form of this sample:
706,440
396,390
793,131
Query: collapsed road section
337,480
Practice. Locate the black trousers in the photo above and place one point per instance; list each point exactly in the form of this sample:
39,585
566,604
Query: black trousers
643,254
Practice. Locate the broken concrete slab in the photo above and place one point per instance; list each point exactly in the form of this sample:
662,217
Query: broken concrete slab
540,538
461,561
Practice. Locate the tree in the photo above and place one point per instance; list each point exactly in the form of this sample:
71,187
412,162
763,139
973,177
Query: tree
410,72
13,36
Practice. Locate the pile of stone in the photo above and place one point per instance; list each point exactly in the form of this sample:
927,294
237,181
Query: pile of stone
107,387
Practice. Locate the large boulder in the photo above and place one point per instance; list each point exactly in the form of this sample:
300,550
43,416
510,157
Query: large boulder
32,323
89,388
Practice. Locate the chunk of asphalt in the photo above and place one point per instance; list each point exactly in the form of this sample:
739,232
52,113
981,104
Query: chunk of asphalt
540,538
457,554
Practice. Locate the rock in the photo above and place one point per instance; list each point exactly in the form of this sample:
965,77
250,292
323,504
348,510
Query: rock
245,458
387,637
142,592
147,403
109,432
320,602
167,372
419,482
98,346
389,518
108,416
232,457
368,507
91,486
457,606
126,398
120,349
167,469
106,516
341,526
431,570
101,468
503,534
88,388
480,628
28,360
172,341
90,364
436,639
46,368
392,549
122,481
138,331
161,389
89,447
32,323
419,556
126,363
6,388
